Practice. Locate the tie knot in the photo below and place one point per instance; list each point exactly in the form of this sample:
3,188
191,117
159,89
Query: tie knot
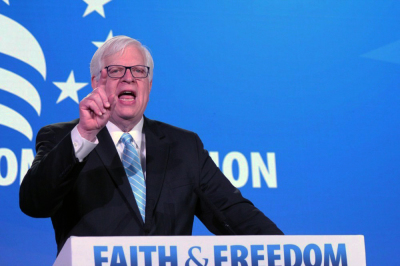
126,138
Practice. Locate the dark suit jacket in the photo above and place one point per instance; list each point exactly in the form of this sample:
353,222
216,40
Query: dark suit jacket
94,198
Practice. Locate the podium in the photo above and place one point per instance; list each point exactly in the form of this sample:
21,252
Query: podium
214,250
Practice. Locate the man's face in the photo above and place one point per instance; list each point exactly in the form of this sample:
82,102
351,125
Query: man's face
131,95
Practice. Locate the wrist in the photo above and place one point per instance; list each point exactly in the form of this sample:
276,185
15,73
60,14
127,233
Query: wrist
89,135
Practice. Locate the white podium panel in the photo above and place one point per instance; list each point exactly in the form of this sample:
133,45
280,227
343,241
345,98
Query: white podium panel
214,250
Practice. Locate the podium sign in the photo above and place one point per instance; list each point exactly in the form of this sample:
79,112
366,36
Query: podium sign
214,250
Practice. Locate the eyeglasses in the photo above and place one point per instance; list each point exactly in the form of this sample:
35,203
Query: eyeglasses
117,71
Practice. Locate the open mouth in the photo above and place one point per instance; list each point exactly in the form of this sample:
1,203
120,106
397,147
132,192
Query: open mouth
127,96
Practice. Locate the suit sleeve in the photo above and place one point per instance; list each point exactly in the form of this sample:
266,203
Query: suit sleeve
52,174
241,215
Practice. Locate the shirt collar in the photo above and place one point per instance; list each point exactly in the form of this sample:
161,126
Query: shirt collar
136,132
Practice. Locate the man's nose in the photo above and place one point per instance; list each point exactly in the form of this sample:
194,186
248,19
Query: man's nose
128,76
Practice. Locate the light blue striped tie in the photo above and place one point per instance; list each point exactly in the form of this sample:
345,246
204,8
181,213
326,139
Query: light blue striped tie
133,169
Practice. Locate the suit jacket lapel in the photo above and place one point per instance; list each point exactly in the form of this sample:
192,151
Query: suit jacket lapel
109,156
157,151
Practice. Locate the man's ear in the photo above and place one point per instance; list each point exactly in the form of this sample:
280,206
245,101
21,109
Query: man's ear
94,82
151,84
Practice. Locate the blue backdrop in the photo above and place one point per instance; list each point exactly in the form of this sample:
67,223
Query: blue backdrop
297,101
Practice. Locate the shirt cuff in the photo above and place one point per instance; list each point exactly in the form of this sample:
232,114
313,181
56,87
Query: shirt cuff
81,145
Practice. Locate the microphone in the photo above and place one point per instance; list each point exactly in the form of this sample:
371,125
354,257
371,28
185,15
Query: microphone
217,213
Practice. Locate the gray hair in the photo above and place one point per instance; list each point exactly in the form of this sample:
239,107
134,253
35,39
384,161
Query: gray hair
113,46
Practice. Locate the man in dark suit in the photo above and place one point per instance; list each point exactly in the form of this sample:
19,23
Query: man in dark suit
81,179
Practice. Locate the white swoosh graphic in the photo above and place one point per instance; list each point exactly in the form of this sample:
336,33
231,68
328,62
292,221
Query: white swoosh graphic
20,87
12,119
18,42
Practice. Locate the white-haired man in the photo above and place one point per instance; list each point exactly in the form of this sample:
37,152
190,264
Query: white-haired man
114,172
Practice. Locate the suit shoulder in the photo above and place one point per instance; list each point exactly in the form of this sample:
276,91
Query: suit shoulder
61,128
169,130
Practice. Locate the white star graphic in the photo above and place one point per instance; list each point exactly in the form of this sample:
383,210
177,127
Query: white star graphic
98,44
95,5
7,2
69,88
388,53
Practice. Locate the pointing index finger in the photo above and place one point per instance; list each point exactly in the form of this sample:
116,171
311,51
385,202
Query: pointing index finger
103,79
102,86
111,87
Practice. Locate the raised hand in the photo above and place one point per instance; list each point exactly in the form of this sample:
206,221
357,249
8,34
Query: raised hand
96,108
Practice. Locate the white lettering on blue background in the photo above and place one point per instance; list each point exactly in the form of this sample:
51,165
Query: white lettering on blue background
9,174
255,168
258,168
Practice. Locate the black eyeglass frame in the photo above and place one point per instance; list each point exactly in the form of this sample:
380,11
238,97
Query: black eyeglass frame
130,69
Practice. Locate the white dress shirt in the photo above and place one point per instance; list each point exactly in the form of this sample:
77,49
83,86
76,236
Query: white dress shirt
83,146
